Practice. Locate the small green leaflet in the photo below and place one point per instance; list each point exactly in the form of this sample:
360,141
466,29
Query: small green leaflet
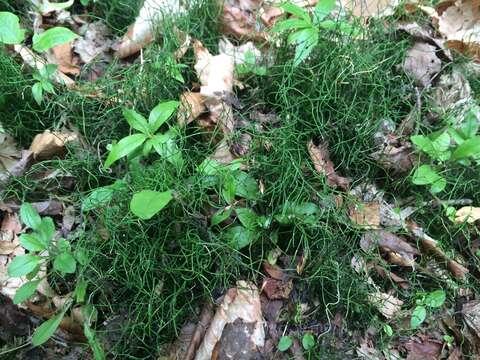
21,265
426,175
46,230
290,24
247,217
98,352
418,316
10,32
295,10
285,343
239,237
220,216
387,329
29,216
435,299
147,203
308,341
37,93
246,186
25,291
161,113
81,291
97,198
124,147
47,329
470,147
65,262
52,37
31,242
136,121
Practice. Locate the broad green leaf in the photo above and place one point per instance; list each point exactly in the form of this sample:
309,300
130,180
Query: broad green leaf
98,198
290,24
47,70
308,341
46,231
81,291
33,273
63,245
136,121
296,10
425,175
21,265
247,217
387,329
307,35
303,49
98,352
47,329
424,144
82,257
418,316
285,343
147,203
291,212
470,147
210,167
29,216
246,186
322,9
442,142
229,189
48,86
161,113
10,32
25,291
166,147
435,299
31,242
470,124
124,147
47,6
65,262
438,185
456,135
239,237
52,37
220,216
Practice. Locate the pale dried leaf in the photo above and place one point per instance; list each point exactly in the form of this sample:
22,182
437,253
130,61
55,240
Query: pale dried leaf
49,144
324,166
387,304
370,8
9,155
191,106
422,63
95,43
62,56
469,214
366,215
453,90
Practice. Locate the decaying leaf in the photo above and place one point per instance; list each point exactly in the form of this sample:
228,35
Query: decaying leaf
366,215
62,56
9,155
148,20
367,9
467,214
459,25
422,63
191,107
49,144
423,347
95,43
240,308
387,304
277,289
394,153
324,166
453,90
239,18
471,315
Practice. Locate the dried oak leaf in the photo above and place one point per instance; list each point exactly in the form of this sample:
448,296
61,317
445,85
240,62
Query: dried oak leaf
366,215
192,105
387,304
62,56
242,303
423,348
324,166
50,144
422,63
459,25
467,214
277,289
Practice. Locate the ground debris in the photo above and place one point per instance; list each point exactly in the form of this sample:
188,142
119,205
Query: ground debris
422,63
49,144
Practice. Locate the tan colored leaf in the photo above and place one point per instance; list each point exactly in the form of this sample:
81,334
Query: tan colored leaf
324,166
452,89
63,57
370,8
95,43
50,144
9,155
240,19
366,215
469,214
423,348
240,305
387,304
277,289
421,63
191,106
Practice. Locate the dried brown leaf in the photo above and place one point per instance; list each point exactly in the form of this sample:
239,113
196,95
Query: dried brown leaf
422,63
240,19
62,56
467,214
277,289
366,215
50,144
387,304
324,166
192,105
423,348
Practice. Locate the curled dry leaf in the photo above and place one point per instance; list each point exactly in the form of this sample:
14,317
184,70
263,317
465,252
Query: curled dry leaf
148,20
277,289
459,25
395,154
324,166
366,215
240,306
387,304
422,63
49,144
423,347
191,107
403,253
467,214
62,56
452,90
9,155
471,315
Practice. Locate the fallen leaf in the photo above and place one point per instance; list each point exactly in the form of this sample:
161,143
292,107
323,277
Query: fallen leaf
62,56
423,348
9,155
49,144
451,91
458,24
239,18
95,42
243,304
366,215
191,107
471,315
206,317
422,64
277,289
367,351
387,304
386,274
467,214
366,9
395,154
142,31
324,166
274,271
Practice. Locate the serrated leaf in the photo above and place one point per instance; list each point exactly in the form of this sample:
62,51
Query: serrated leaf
435,299
25,291
322,10
10,31
247,217
47,329
295,10
21,265
31,242
147,203
161,113
123,148
418,316
52,37
65,262
285,343
136,121
29,216
470,147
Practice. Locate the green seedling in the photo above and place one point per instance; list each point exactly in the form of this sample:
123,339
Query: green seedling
43,83
426,301
148,138
305,29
